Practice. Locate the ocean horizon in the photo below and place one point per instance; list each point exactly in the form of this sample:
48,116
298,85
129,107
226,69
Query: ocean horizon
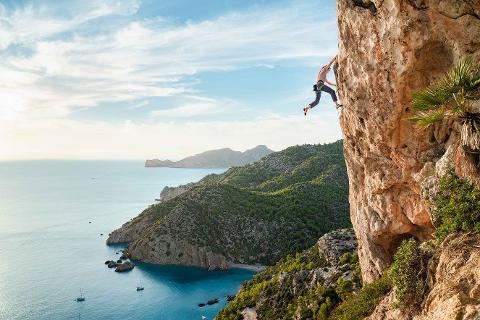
55,216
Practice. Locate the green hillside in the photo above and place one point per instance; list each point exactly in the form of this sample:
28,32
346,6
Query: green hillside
257,213
307,285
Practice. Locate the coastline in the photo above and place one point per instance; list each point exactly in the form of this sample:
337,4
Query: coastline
252,267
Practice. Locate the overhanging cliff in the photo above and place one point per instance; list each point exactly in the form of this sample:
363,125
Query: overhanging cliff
389,49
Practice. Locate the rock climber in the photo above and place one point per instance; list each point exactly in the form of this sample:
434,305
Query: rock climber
321,85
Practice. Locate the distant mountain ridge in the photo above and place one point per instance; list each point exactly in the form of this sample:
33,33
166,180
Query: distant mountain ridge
219,158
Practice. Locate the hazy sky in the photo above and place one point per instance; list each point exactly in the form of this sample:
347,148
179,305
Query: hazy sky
103,79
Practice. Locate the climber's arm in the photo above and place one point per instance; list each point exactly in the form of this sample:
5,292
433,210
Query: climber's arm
331,62
330,83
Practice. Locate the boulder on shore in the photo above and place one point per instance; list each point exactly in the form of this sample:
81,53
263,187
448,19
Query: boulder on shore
112,264
126,266
213,301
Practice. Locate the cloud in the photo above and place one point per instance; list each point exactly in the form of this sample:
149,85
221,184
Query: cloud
139,105
35,22
60,57
189,110
141,58
194,106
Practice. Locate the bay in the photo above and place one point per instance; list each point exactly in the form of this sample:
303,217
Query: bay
54,219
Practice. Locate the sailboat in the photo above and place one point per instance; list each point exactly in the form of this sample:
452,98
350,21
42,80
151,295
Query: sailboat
81,298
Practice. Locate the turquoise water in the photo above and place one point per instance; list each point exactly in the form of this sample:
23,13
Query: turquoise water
49,250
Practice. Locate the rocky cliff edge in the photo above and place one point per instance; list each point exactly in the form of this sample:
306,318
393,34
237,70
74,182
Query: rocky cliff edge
389,49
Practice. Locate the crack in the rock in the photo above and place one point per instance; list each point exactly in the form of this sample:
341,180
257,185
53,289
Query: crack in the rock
473,14
472,6
419,5
470,13
366,4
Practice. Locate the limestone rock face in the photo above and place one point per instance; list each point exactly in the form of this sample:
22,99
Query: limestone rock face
386,310
249,314
332,245
176,253
389,49
454,285
455,282
154,244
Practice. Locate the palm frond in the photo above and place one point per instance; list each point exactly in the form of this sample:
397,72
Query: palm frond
461,74
456,86
451,97
429,98
476,78
427,118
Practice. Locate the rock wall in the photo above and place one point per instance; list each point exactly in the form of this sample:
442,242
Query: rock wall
454,284
168,251
389,49
162,243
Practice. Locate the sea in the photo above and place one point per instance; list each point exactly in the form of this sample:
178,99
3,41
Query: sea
55,217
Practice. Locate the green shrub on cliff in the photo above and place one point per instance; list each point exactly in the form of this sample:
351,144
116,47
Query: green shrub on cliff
363,303
408,274
456,206
295,287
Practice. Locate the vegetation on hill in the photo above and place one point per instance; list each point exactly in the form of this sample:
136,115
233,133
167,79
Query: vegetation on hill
258,213
306,285
361,304
455,211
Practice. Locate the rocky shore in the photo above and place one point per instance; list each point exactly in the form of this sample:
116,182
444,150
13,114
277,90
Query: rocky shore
121,265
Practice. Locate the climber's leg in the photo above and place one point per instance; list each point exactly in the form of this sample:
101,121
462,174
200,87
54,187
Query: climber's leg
312,104
332,93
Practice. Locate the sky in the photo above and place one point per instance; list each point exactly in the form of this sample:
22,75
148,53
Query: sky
133,79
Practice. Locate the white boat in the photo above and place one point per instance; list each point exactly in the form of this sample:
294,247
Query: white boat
81,298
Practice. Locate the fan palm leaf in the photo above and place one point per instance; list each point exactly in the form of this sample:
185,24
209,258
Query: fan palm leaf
427,118
448,97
